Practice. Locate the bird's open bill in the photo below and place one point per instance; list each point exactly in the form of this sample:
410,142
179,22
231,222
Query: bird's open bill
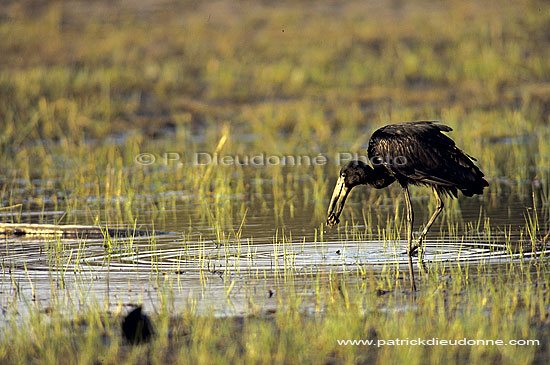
337,201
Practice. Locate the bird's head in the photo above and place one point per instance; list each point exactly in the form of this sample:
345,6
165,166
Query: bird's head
352,174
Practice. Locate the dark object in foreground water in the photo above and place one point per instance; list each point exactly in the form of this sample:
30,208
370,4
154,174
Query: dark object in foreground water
137,327
412,153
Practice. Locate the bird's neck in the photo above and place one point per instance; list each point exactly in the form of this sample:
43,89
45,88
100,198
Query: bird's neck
377,176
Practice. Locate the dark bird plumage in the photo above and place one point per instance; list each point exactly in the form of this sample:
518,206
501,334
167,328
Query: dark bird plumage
423,155
137,327
415,153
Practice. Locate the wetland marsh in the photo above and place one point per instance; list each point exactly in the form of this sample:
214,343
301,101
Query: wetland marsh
141,115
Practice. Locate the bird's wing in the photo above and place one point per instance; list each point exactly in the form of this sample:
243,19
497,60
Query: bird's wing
419,152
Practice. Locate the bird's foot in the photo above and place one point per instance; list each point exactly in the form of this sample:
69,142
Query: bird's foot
414,249
414,253
417,245
418,250
421,264
332,220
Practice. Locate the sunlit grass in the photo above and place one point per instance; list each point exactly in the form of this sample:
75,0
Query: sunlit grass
460,303
85,91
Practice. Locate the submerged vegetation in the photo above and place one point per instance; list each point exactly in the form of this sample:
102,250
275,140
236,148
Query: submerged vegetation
109,113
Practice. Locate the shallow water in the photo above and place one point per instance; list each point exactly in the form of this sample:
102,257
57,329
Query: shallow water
229,272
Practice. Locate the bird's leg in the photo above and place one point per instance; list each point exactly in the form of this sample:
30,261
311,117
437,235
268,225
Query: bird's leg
410,219
418,245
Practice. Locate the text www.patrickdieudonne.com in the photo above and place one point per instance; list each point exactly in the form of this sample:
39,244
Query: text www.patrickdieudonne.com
436,342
